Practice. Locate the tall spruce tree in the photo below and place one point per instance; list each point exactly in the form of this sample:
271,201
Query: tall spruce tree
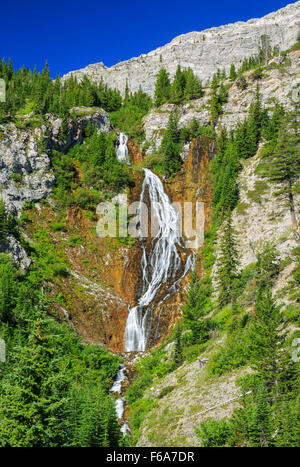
197,305
162,88
178,86
170,147
233,73
269,353
260,423
284,164
227,263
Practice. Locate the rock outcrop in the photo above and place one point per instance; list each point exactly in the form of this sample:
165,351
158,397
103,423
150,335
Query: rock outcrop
203,51
280,83
25,173
262,219
12,247
25,169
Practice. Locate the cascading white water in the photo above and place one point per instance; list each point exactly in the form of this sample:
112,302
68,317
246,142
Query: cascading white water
162,263
117,386
122,150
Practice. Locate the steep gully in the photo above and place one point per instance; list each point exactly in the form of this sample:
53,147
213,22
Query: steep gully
164,262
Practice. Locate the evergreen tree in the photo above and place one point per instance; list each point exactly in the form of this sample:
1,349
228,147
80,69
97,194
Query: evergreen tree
31,415
178,350
197,305
233,73
193,86
170,147
178,86
215,108
260,423
227,263
268,334
162,88
284,164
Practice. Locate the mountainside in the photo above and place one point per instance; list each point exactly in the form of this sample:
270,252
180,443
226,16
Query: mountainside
203,51
131,333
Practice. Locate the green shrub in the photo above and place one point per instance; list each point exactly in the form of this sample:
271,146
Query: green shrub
58,226
215,433
165,391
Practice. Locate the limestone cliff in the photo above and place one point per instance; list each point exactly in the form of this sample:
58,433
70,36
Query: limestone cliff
203,51
279,83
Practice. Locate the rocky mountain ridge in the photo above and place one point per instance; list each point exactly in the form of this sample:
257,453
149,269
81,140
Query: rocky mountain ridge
279,82
203,51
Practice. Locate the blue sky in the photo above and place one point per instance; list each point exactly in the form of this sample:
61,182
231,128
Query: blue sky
71,34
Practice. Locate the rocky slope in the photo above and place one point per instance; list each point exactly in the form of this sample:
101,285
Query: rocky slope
25,173
280,82
203,51
185,398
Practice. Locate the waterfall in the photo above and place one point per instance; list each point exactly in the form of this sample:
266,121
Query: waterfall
117,386
161,264
120,401
122,150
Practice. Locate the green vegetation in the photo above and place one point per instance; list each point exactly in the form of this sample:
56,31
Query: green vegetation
227,264
284,161
89,173
8,224
244,309
170,147
185,86
35,93
128,117
197,305
270,414
53,389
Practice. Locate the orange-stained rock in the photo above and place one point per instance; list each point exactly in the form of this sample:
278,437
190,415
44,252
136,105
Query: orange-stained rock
105,273
135,152
190,184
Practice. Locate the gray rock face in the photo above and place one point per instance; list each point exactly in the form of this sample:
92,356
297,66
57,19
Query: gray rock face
25,173
203,51
279,82
19,256
261,218
74,131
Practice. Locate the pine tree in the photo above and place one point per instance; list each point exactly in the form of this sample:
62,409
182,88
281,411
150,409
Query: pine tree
178,350
268,333
170,148
3,221
223,94
215,107
284,164
162,88
33,403
193,86
178,86
233,73
227,263
197,305
8,290
260,423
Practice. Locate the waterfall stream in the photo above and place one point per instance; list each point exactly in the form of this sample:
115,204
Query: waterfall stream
119,404
122,150
160,265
